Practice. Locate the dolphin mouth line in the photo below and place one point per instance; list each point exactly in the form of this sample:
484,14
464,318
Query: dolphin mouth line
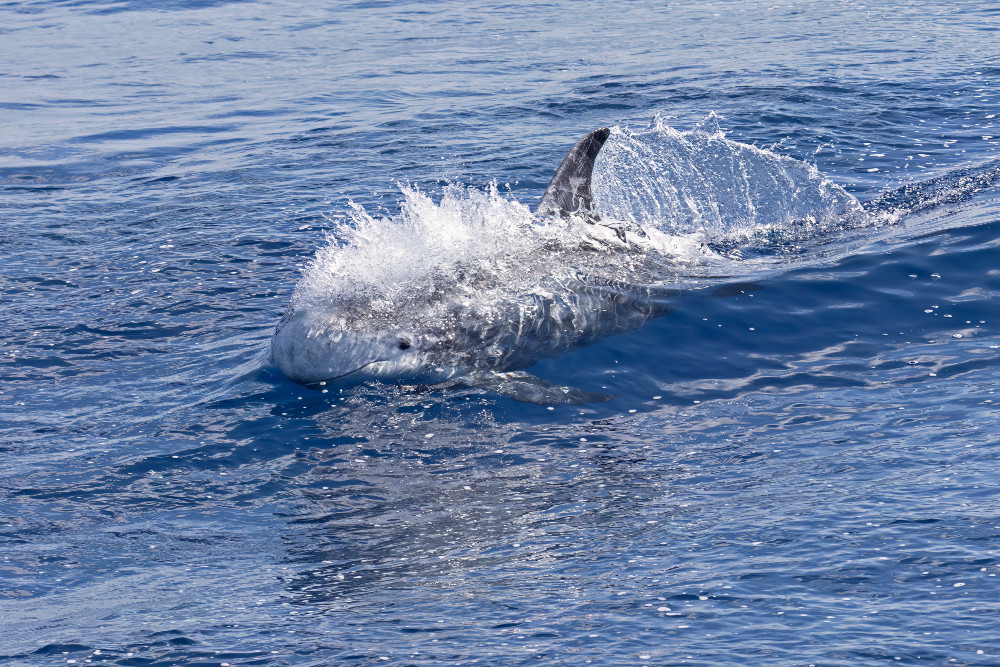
356,370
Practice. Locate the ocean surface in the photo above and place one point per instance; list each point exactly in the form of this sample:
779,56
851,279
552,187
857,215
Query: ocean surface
798,464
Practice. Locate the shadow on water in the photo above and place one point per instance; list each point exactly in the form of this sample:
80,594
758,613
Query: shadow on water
422,517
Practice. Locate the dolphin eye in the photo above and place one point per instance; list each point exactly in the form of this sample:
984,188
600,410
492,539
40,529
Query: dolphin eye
404,344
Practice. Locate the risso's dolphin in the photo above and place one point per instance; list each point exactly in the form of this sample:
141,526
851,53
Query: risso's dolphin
473,315
478,287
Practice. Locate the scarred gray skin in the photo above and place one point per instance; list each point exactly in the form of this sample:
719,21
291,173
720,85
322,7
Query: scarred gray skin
500,337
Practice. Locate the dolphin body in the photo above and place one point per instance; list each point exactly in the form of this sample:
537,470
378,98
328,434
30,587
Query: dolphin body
485,345
401,304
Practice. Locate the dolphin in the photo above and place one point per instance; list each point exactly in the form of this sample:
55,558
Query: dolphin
485,342
477,290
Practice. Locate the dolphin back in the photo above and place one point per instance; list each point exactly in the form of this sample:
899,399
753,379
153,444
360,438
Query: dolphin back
569,189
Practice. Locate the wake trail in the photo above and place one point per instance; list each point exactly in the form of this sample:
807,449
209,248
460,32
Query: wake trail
954,187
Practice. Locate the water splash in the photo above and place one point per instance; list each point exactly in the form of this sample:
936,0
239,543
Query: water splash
385,262
700,182
471,245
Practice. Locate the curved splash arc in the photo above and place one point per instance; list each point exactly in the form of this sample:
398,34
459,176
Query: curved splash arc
699,181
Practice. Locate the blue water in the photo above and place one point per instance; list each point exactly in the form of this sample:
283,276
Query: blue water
799,466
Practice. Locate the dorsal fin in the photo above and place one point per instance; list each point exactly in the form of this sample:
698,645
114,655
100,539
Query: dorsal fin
569,189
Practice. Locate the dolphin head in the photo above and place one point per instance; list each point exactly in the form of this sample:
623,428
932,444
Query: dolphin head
310,347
